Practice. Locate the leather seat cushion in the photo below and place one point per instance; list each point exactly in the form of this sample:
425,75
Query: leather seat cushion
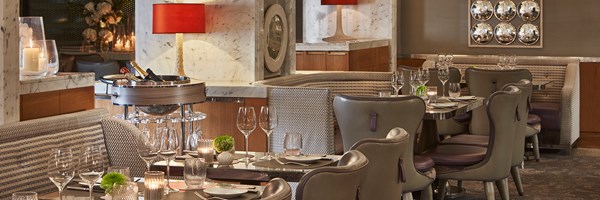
533,129
423,163
549,114
457,155
462,118
533,119
467,139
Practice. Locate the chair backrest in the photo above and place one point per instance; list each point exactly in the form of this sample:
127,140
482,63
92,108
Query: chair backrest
67,60
119,136
503,117
99,68
385,175
483,83
454,77
335,183
277,189
526,89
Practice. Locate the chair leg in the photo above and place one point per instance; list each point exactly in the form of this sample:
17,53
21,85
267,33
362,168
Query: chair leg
407,196
536,147
503,188
441,189
488,188
427,193
514,171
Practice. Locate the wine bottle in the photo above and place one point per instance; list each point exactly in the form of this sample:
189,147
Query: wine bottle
152,76
139,69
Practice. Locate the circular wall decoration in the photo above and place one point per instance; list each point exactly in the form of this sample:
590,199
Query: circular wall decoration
505,10
529,10
482,33
482,10
276,40
528,34
505,33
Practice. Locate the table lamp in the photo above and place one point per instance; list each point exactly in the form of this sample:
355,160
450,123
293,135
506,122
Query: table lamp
339,35
178,18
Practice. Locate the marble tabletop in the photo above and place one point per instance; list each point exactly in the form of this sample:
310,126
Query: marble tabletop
60,81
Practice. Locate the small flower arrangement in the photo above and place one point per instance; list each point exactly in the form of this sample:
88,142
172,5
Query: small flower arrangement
223,143
101,16
110,179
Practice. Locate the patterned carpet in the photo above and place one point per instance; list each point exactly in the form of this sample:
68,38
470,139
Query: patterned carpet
554,177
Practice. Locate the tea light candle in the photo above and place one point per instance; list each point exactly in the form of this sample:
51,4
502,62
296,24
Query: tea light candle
118,45
154,184
132,40
31,58
127,45
205,150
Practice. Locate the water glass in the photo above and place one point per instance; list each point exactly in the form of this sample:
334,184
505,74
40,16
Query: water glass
52,57
24,196
432,94
454,90
194,172
292,144
154,184
205,150
127,191
120,169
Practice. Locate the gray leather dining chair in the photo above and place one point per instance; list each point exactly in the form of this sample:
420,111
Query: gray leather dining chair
277,189
341,182
474,163
385,175
371,117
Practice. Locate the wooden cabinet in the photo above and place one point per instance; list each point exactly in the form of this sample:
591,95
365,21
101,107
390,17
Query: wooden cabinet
590,112
370,59
46,104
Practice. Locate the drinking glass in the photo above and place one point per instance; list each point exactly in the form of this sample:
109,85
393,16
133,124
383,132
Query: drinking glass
292,144
169,145
501,61
246,123
397,81
147,147
454,90
512,62
194,172
61,168
91,166
449,60
24,196
52,57
267,122
424,76
441,59
205,150
432,94
443,75
121,170
414,81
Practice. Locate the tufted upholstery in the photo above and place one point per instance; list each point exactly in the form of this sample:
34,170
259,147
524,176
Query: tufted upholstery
562,94
25,146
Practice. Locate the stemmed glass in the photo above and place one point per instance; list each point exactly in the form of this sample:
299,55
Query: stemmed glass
502,61
424,76
441,60
267,122
246,123
147,147
61,168
512,62
397,81
169,145
443,75
91,166
414,81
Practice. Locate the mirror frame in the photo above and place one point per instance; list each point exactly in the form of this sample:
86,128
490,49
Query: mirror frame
275,64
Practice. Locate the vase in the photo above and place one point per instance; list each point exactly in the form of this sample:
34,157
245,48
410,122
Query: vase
128,191
225,158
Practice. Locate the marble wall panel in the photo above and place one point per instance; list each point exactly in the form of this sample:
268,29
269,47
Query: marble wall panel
9,62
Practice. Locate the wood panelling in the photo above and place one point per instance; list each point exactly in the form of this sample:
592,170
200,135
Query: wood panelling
338,61
300,60
590,111
46,104
372,59
315,60
78,99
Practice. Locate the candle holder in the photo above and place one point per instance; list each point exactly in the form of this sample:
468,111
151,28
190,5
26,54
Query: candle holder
154,185
34,59
205,150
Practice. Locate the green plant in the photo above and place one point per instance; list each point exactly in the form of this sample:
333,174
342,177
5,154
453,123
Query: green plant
223,143
421,90
110,179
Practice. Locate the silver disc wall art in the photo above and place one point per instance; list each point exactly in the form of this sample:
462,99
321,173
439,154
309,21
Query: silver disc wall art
482,10
505,23
505,10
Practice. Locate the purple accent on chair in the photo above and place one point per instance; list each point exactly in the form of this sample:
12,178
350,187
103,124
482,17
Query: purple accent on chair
533,119
401,176
549,114
457,155
423,163
467,139
373,121
462,118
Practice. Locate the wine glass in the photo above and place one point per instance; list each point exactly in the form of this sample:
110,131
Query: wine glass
501,61
91,166
267,122
246,123
454,90
147,146
195,134
61,168
424,76
414,81
397,81
443,75
512,62
169,145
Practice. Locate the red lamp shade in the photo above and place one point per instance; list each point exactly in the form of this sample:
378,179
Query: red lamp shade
178,18
339,2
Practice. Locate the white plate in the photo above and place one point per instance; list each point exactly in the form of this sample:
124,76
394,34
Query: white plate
303,159
225,192
443,105
462,98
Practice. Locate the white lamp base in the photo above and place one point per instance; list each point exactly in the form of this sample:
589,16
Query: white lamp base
339,36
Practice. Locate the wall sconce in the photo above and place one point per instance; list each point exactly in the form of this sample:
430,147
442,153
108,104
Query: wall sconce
178,18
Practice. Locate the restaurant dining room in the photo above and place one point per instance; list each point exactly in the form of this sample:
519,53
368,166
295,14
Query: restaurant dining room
299,99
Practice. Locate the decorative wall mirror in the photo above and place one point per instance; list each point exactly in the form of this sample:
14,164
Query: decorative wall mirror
505,30
276,43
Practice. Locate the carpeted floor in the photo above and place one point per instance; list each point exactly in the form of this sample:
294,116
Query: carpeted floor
554,177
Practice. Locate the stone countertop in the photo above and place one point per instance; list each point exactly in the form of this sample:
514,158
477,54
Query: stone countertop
60,81
347,46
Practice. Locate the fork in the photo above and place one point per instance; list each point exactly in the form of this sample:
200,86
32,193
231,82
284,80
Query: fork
290,163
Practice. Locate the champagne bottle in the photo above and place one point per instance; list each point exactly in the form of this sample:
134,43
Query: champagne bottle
152,76
132,77
139,69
